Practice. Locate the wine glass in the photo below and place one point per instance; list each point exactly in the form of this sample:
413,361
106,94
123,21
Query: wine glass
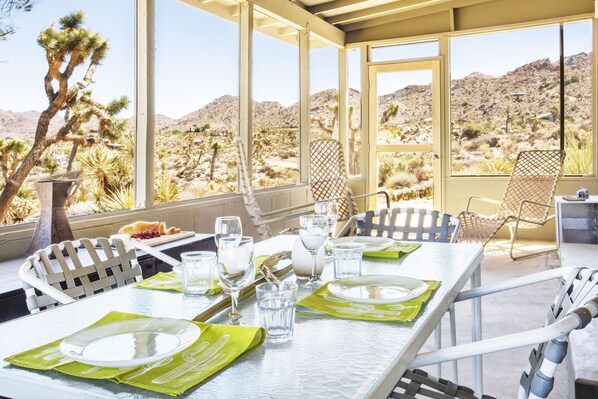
330,210
227,226
313,231
235,268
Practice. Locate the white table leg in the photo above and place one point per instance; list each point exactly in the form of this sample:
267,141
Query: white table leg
476,333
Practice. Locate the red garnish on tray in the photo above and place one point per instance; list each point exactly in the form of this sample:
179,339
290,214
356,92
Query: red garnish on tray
146,234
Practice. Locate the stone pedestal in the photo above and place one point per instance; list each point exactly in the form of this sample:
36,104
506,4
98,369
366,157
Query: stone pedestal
53,225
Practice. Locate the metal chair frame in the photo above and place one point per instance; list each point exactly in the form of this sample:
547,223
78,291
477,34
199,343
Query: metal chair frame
525,204
567,313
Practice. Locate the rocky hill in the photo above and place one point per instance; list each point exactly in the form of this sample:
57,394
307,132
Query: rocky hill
530,91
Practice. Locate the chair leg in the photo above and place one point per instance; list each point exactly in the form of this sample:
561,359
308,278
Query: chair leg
438,345
513,232
453,328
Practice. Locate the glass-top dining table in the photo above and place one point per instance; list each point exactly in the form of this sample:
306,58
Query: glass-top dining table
328,357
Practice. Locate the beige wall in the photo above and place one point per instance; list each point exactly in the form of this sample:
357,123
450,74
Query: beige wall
195,216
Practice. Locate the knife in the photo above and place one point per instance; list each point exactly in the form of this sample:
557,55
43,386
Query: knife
247,291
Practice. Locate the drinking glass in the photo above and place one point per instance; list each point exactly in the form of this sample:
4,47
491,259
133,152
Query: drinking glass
330,210
313,231
235,268
227,226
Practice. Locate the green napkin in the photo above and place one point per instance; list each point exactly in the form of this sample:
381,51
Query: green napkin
171,282
324,302
217,347
395,251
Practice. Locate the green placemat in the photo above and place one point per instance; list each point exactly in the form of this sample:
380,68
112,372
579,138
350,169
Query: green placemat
395,251
172,281
323,302
217,347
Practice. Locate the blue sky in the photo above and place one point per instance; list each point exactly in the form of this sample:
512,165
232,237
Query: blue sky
196,57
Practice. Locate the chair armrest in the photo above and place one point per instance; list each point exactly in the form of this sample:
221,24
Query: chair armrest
505,342
481,199
381,192
525,202
42,285
347,226
516,283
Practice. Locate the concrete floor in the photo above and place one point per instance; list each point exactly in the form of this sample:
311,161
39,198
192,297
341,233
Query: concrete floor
505,313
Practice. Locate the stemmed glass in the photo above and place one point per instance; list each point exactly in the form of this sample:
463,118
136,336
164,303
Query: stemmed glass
235,268
227,226
313,231
330,210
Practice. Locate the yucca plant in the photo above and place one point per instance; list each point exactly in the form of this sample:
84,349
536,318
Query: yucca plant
97,163
578,148
122,198
166,190
497,166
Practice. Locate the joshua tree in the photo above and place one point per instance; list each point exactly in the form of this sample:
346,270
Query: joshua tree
12,152
391,111
66,49
215,147
6,9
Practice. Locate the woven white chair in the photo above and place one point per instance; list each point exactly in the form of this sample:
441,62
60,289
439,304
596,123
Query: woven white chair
574,307
71,270
525,204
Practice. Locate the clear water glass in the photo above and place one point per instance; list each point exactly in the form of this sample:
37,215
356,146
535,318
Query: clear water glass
198,271
235,268
347,259
227,226
276,303
313,231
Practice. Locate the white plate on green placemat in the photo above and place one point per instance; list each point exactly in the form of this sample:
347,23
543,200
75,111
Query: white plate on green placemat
130,343
377,289
372,244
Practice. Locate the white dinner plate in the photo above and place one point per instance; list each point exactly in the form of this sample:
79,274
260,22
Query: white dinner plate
372,244
130,343
377,289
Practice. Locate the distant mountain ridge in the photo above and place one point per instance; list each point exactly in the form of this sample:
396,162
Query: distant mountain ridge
531,88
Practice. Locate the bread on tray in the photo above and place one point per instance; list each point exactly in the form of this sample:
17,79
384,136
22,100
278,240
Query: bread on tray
147,229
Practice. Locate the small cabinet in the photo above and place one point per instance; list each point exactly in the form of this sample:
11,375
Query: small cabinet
576,221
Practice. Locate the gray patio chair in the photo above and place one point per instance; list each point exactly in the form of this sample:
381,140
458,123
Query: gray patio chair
525,204
410,224
62,273
405,224
573,308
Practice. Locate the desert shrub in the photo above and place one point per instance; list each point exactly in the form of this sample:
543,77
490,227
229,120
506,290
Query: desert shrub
385,169
401,180
471,131
493,142
20,209
578,149
497,166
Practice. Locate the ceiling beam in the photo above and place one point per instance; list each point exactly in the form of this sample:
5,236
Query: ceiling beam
332,5
402,16
300,18
384,9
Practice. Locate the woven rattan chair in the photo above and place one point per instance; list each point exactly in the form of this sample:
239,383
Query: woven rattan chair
525,204
71,270
329,179
572,309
